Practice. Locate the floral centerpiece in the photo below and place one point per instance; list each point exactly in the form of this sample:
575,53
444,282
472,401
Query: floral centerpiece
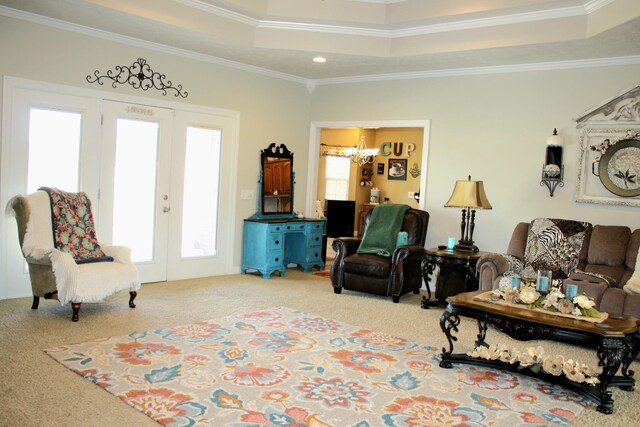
553,301
535,359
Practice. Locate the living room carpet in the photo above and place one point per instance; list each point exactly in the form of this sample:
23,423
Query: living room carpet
281,366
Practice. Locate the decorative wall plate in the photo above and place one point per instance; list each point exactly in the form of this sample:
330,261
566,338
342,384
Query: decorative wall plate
619,168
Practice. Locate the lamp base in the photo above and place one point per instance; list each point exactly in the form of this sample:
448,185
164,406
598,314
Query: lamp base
466,246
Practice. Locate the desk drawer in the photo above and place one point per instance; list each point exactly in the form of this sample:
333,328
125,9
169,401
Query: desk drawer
294,226
275,241
277,228
275,258
315,238
316,226
314,253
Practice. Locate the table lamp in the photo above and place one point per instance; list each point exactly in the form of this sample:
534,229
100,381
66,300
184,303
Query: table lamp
468,195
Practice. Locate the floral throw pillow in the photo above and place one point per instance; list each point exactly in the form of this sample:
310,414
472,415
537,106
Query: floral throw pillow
73,227
554,244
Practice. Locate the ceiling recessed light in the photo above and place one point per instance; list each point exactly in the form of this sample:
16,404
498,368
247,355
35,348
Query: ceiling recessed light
319,59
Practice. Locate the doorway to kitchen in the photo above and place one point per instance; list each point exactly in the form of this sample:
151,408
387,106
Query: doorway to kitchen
315,193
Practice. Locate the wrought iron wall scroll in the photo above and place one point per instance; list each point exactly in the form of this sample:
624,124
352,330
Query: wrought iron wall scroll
140,76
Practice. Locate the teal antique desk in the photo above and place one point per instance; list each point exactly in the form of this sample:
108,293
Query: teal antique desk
271,244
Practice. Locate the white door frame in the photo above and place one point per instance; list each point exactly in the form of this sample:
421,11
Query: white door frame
8,230
314,149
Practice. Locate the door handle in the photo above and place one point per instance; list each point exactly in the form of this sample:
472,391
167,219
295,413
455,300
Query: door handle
166,209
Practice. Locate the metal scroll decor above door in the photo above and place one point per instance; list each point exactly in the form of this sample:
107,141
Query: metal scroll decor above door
140,76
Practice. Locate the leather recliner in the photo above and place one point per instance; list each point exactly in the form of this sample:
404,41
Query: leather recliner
396,275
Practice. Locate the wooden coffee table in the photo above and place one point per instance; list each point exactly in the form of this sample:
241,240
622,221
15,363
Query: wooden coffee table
616,341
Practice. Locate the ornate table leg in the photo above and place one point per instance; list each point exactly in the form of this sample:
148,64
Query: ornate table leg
482,333
448,322
634,349
471,281
611,353
428,265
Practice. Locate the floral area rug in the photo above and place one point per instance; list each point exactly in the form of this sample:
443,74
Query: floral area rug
282,367
322,273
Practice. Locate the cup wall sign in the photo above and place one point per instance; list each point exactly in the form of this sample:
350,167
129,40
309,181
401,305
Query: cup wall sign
140,76
619,168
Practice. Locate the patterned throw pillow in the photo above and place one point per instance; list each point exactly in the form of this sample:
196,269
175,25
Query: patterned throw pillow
554,244
73,228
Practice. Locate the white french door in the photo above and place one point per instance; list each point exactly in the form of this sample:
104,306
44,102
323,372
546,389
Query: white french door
134,183
162,172
155,174
201,225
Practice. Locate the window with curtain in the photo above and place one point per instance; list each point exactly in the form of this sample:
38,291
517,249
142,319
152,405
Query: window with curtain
337,178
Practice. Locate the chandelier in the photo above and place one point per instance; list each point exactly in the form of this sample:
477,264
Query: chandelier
360,154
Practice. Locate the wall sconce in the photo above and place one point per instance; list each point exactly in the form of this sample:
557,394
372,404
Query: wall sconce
553,169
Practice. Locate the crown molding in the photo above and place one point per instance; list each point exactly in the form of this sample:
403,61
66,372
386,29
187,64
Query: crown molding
380,1
472,71
222,12
593,5
311,84
456,25
132,41
445,27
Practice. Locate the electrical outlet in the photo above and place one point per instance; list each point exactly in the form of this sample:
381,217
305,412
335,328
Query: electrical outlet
411,193
247,194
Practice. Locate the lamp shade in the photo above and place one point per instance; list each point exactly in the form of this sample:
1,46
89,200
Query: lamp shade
468,194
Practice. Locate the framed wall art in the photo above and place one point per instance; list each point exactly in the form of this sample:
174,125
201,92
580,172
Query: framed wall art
397,170
609,167
609,155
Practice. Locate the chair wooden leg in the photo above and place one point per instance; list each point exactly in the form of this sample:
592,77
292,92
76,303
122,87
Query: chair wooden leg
396,299
75,306
337,290
133,295
36,302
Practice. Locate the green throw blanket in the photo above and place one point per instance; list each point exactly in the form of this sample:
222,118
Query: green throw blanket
381,234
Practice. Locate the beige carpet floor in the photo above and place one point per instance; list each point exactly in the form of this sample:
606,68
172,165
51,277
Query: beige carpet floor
35,390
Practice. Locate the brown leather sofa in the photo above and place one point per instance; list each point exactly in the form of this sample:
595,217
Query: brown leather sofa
396,275
607,258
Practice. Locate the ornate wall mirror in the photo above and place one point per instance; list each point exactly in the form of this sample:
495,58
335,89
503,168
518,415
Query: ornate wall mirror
276,183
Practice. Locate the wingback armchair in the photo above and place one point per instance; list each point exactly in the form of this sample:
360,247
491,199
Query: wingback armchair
396,275
54,273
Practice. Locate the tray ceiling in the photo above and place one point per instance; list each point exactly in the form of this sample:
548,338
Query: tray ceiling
361,39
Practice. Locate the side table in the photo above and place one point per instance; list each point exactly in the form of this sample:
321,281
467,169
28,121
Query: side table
457,274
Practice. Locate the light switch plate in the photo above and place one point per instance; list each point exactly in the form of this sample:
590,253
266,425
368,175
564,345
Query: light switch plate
247,194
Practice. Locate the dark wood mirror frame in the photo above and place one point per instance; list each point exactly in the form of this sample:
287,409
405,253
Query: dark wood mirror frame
276,183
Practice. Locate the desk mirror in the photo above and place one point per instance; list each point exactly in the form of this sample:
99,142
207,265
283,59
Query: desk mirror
276,183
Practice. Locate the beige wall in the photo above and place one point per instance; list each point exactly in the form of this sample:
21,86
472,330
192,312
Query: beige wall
492,126
397,190
271,109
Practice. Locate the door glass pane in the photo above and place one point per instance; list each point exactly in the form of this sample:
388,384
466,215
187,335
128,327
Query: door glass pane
54,149
135,187
201,180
